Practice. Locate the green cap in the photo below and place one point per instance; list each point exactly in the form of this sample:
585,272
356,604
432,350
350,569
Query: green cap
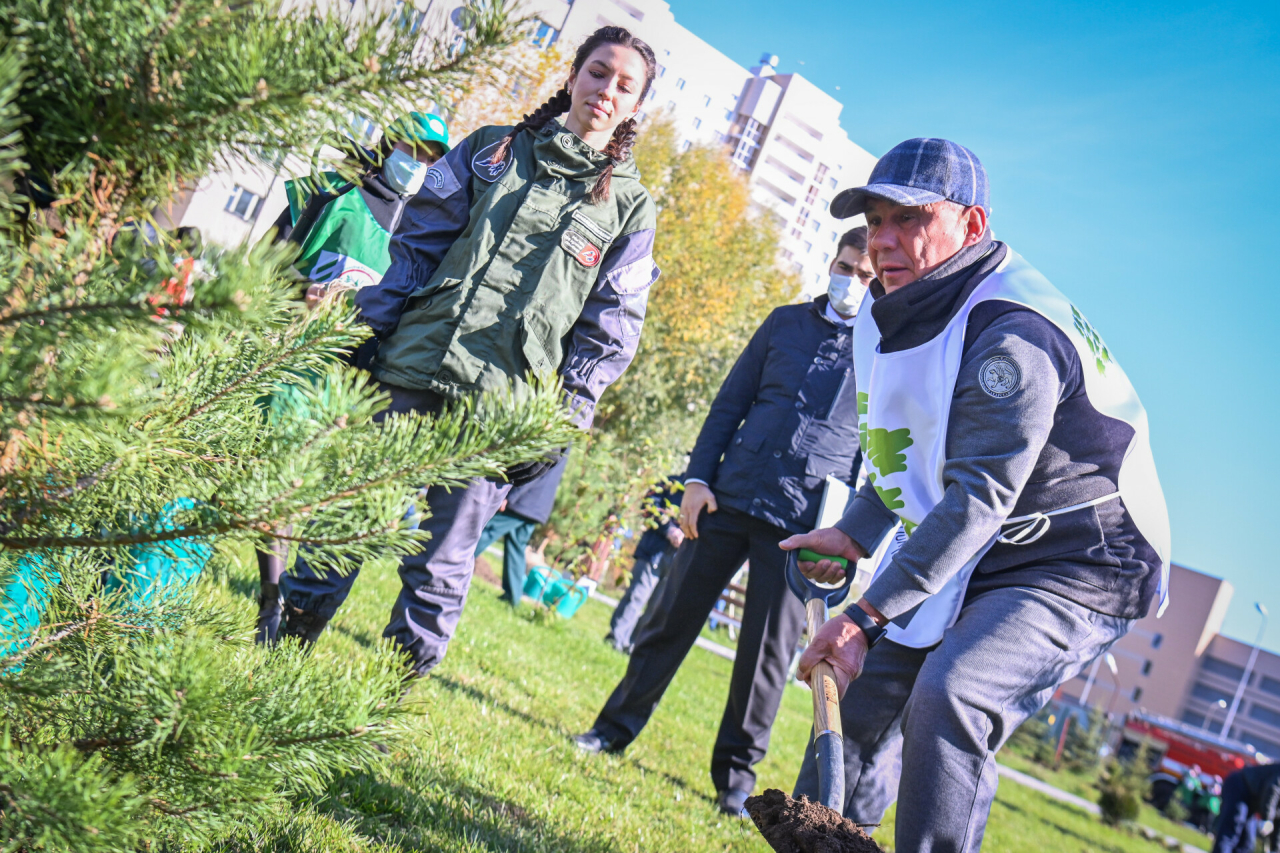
420,127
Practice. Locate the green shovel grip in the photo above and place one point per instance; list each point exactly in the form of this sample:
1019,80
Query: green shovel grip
807,556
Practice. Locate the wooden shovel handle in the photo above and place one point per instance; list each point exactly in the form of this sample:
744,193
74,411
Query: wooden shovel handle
826,696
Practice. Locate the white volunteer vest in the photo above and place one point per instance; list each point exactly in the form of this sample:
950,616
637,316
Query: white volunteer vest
904,400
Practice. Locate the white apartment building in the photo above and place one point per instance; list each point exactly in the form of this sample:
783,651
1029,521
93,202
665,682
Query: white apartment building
783,131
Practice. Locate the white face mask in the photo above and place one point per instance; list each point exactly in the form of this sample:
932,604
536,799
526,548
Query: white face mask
404,173
846,293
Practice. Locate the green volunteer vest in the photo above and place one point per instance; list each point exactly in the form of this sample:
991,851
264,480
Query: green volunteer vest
346,244
510,288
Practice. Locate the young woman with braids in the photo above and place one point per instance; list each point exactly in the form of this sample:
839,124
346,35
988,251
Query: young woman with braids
528,250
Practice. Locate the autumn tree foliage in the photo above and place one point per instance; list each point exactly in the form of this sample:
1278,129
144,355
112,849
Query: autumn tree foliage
720,278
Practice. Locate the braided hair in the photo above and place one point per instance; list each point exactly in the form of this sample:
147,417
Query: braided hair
624,135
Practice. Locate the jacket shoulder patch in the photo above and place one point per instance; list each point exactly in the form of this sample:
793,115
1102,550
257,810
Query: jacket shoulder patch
486,171
583,250
441,180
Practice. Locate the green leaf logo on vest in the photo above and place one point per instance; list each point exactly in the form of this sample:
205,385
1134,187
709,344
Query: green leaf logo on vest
1101,355
884,450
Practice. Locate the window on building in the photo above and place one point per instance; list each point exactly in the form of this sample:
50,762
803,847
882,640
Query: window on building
1146,667
826,257
796,233
1156,640
1266,747
653,93
802,217
697,124
706,100
662,69
835,235
817,278
1191,718
641,116
826,205
1221,667
680,83
812,195
821,173
1269,685
728,115
545,35
808,247
1137,694
1212,695
717,137
832,183
671,105
686,145
1263,714
243,203
749,143
817,225
786,254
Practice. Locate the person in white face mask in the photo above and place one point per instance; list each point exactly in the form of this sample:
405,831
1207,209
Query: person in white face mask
785,419
851,273
344,235
344,229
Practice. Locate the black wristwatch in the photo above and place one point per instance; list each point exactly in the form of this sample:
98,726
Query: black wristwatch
864,621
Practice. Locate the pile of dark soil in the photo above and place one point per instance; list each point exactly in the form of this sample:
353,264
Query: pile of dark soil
801,826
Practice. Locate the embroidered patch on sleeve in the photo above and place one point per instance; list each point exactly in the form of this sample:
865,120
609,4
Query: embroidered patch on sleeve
441,181
487,171
1000,376
583,250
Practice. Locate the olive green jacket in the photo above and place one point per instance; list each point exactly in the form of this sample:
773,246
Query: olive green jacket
501,271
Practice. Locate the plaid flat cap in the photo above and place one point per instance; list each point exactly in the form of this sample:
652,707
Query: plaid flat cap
920,171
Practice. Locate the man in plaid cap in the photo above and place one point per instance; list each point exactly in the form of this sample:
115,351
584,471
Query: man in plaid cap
1007,454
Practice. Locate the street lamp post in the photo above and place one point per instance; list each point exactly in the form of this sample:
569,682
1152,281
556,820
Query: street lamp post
1115,677
1248,669
1088,682
1221,705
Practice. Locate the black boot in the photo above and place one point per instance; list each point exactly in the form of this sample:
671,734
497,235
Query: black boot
269,613
304,625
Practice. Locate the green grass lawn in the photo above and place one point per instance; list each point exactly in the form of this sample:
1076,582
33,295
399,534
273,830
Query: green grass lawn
1081,785
488,764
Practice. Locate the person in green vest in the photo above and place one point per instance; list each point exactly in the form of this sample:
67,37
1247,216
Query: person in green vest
529,251
343,229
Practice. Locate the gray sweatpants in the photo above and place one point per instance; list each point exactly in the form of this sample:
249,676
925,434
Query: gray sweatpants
922,726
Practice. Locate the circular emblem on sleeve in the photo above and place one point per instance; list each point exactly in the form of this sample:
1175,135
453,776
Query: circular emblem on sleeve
1000,376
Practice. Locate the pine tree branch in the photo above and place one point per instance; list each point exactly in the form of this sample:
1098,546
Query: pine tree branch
356,732
314,344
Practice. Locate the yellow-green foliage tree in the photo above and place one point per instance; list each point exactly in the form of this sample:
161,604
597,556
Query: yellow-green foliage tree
522,78
720,279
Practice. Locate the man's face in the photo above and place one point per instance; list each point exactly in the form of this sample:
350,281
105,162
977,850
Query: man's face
905,243
852,263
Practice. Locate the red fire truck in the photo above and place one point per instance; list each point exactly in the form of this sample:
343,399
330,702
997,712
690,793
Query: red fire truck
1177,747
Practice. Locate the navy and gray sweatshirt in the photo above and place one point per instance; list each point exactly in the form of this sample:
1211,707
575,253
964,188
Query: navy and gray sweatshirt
1042,448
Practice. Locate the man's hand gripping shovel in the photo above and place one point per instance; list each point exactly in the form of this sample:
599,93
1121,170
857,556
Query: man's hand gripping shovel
828,735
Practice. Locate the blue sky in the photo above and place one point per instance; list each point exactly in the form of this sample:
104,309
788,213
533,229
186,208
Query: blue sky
1134,157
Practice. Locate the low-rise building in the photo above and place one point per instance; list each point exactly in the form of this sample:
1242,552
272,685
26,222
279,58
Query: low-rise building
1180,666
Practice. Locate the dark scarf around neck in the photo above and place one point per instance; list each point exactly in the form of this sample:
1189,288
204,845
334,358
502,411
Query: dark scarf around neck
915,314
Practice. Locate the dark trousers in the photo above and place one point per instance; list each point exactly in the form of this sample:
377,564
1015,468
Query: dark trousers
645,574
516,532
434,580
922,726
1235,832
771,625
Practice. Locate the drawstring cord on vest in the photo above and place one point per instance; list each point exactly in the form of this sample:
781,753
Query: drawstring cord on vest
1029,528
